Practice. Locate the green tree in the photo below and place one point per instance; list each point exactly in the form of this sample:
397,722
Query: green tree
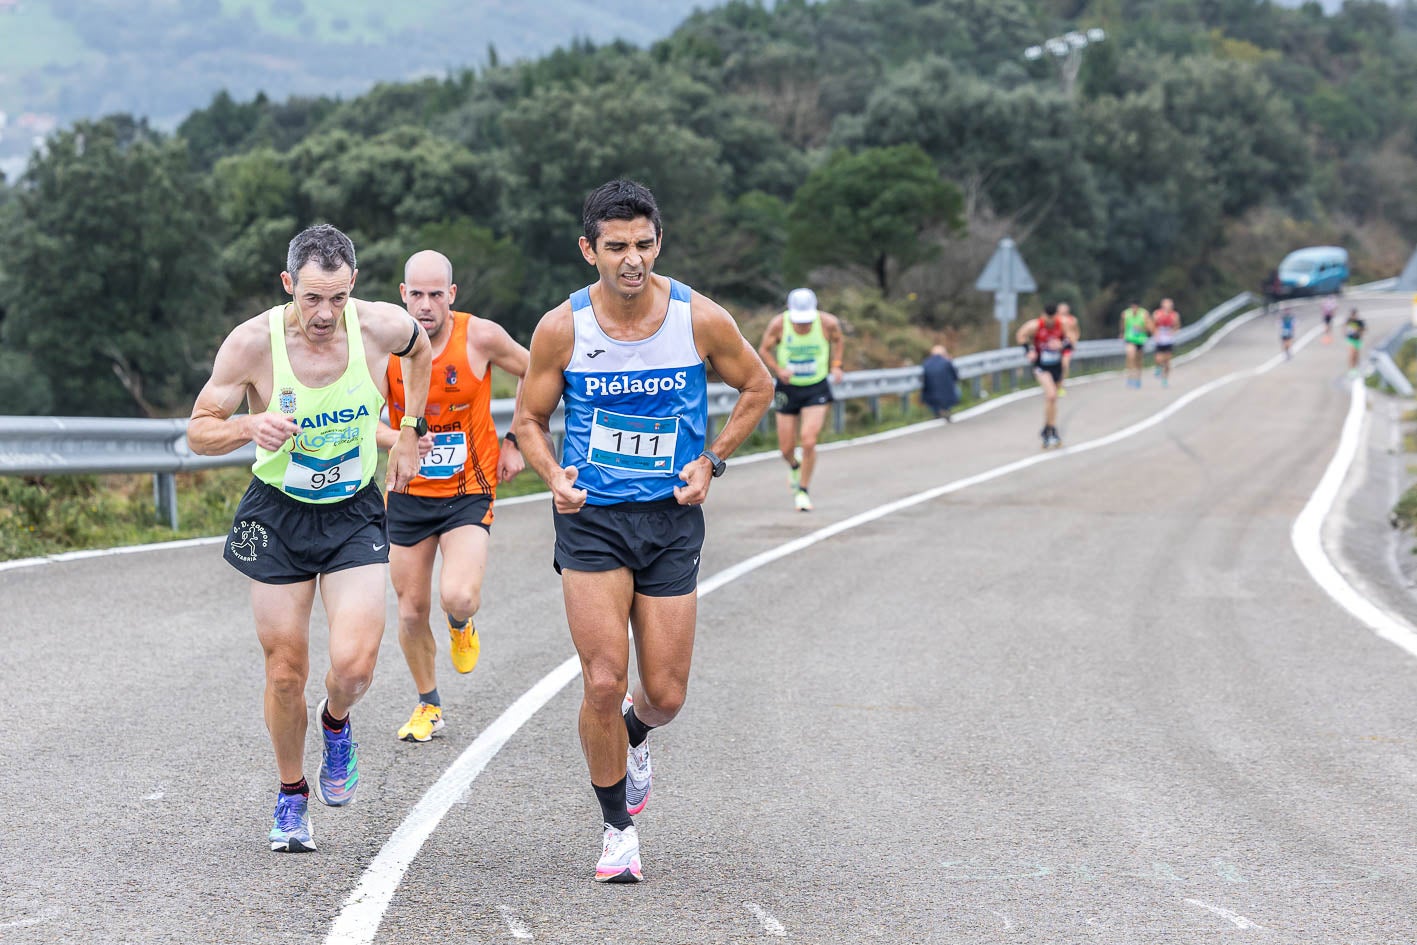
871,210
111,281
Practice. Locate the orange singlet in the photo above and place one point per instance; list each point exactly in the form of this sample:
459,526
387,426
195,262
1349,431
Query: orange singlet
466,448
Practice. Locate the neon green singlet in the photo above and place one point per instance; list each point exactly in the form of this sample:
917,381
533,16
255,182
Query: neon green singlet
805,355
335,454
1134,324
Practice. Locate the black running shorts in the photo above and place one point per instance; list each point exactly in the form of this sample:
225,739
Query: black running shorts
658,541
1054,370
790,399
1164,349
276,539
412,518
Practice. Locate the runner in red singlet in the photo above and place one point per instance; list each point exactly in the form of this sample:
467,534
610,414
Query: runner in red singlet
1043,339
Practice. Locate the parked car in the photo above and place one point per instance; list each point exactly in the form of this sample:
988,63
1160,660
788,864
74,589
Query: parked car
1314,270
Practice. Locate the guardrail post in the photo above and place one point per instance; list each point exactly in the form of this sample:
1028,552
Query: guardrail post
875,403
904,405
839,416
165,497
978,388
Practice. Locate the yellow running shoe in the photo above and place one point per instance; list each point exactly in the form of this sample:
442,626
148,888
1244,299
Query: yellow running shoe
466,647
425,721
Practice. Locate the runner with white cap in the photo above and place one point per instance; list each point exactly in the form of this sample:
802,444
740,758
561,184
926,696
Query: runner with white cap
802,359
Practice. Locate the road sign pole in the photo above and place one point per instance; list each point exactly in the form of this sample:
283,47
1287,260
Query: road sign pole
1005,311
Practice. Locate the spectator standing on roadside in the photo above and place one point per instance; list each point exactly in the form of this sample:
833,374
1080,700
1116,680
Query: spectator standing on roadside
939,388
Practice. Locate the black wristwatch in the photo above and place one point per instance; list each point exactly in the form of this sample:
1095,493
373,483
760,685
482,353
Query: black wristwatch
719,465
511,438
420,425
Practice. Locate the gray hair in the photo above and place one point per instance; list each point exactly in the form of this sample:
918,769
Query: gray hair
325,245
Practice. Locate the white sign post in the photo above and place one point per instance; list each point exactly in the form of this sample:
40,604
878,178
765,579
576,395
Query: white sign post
1006,276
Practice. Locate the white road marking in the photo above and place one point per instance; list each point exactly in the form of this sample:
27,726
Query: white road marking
1239,921
359,918
770,924
975,411
515,925
155,796
1007,924
1307,534
24,923
105,552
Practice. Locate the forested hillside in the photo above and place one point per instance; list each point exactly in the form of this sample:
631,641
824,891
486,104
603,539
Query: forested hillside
875,150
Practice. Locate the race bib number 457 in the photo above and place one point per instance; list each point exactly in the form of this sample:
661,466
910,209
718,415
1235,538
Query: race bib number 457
631,445
448,455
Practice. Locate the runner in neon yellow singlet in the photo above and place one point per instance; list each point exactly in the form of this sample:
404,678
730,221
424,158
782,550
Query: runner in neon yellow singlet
1136,329
312,374
803,349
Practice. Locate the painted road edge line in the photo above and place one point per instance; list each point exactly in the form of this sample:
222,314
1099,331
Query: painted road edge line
1307,533
363,911
976,411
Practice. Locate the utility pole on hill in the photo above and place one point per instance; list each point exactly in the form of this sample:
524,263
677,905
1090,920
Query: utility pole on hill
1066,50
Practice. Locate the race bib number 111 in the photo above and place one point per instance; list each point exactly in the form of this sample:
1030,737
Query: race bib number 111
633,445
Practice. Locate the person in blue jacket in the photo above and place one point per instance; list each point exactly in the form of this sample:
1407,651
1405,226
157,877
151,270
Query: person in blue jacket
939,387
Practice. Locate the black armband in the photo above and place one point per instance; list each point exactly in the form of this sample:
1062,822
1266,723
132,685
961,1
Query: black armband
412,340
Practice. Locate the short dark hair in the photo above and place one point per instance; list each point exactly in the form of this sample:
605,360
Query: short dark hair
322,243
1050,309
618,200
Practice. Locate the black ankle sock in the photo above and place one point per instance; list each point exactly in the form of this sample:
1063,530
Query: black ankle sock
456,624
431,697
637,730
612,804
295,787
332,723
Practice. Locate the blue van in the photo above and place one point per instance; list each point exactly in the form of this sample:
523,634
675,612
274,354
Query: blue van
1314,270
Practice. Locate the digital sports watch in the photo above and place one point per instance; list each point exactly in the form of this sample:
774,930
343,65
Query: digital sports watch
719,465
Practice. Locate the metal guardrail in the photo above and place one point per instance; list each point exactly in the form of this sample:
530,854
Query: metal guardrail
1385,364
40,446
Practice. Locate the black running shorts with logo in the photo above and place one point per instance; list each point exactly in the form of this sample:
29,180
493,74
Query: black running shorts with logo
658,541
276,539
790,399
412,518
1055,370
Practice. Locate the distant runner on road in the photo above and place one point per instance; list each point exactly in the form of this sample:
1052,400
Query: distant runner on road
1166,322
628,354
311,373
1353,331
448,505
1328,307
1073,334
1288,323
804,358
1136,329
1043,339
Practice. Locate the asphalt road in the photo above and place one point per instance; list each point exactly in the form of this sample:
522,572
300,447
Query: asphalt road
1094,699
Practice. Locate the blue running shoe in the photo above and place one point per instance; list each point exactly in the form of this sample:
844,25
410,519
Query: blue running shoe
291,832
339,772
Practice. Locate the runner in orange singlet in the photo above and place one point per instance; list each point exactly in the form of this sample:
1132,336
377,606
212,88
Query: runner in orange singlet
448,505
